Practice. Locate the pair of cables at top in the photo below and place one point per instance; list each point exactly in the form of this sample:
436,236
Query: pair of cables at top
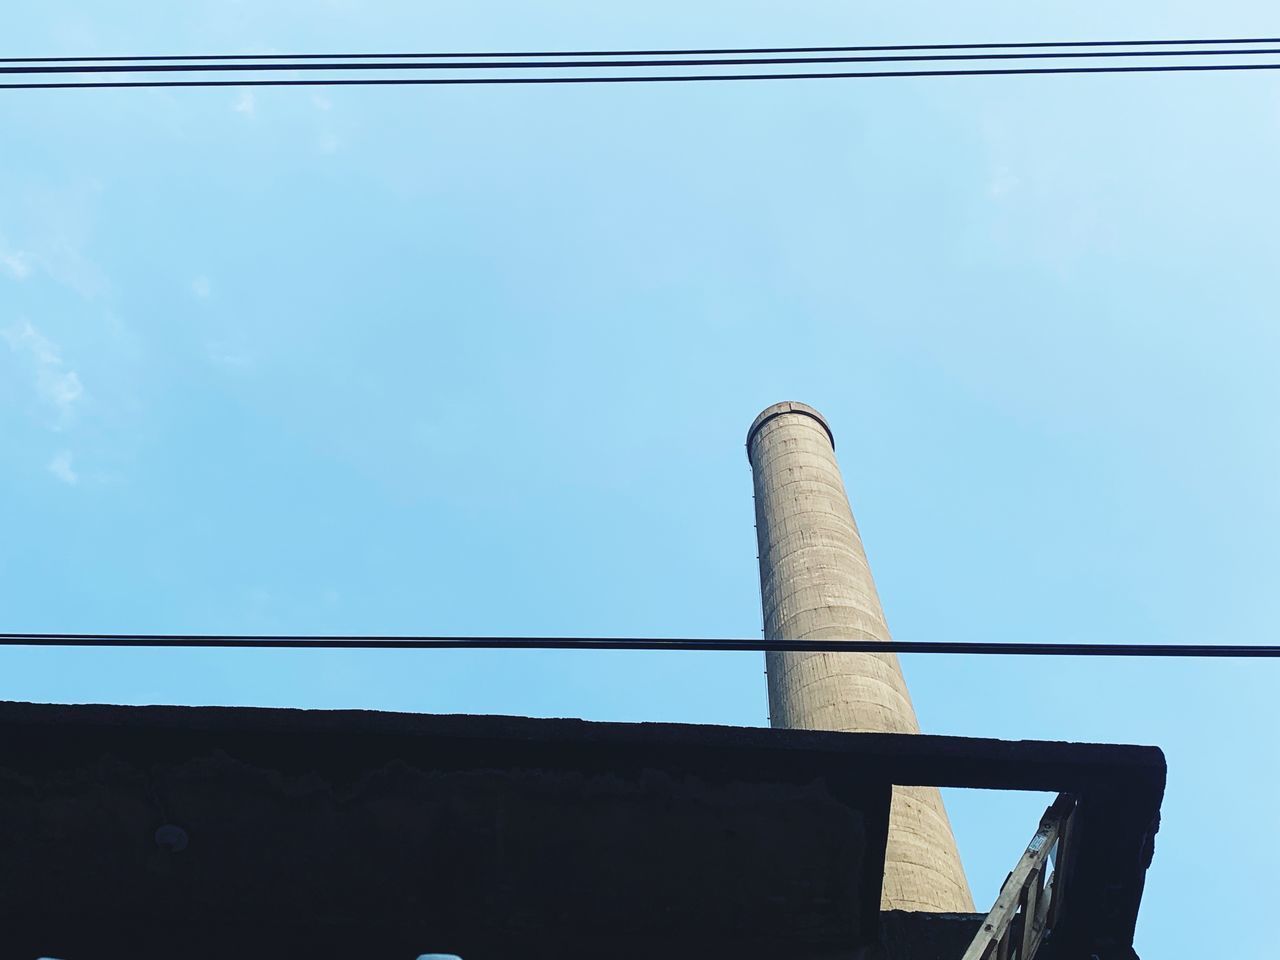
643,66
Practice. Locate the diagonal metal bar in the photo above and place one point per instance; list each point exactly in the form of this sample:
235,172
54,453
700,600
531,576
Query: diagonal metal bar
1020,896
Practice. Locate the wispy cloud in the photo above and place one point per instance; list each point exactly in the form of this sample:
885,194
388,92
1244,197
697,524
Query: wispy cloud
58,388
60,466
202,288
229,358
15,263
246,103
57,243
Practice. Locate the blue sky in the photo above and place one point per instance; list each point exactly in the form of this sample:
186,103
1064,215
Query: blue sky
482,361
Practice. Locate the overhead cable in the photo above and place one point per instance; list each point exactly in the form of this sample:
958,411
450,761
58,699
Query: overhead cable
641,66
399,642
337,64
711,51
657,78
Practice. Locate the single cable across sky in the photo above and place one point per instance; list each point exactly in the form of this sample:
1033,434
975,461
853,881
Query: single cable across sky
390,642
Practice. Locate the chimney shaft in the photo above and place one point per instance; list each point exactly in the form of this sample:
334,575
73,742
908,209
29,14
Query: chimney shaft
815,583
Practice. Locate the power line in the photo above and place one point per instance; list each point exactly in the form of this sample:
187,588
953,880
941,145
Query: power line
390,642
713,51
678,78
336,64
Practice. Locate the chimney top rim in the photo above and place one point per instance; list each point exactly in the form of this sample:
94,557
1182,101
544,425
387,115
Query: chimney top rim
776,410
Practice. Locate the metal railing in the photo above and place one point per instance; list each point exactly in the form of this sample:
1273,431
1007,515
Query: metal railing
1031,899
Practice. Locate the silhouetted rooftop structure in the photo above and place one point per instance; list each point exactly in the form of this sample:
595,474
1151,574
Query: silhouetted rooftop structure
162,832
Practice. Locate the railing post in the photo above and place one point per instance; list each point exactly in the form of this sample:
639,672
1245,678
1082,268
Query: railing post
1030,907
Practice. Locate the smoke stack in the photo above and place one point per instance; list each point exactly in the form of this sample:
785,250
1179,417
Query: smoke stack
815,583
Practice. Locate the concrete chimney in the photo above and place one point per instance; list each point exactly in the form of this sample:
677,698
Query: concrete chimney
815,583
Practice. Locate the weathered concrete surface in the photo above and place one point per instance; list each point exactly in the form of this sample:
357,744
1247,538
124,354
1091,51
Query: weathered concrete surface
815,583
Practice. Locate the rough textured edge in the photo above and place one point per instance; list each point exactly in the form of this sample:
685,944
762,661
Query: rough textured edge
782,409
